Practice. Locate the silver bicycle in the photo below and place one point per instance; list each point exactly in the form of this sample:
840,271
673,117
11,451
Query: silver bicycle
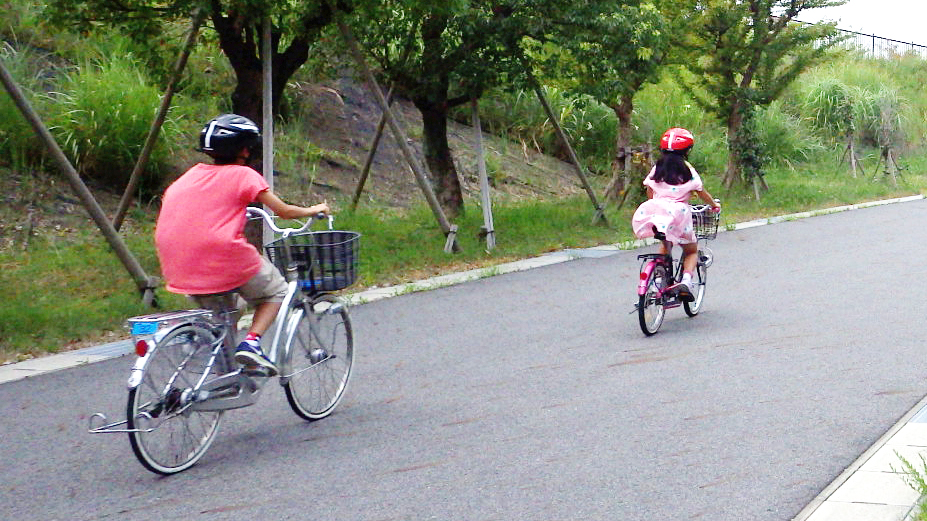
186,376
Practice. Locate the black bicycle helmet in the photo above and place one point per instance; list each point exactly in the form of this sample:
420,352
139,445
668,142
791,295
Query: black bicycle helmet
226,135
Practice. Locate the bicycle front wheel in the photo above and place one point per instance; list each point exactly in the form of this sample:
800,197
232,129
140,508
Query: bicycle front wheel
320,346
167,435
700,278
650,309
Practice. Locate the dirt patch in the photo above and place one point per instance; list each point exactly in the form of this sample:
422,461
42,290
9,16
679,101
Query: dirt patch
343,117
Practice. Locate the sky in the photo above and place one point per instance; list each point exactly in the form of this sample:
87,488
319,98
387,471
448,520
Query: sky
903,20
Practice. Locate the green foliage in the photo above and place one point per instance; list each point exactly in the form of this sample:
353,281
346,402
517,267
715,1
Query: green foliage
831,106
18,146
60,291
785,140
916,478
520,116
742,56
839,100
103,113
610,56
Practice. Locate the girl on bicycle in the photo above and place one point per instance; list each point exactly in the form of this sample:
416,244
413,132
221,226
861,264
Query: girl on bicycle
670,184
200,231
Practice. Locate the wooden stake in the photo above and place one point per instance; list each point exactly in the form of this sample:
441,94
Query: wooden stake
484,178
600,211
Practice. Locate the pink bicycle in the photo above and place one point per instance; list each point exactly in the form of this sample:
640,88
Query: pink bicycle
657,289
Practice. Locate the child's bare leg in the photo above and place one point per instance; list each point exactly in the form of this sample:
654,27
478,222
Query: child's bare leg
264,315
690,257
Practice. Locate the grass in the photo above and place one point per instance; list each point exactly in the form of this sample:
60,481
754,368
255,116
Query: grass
916,478
67,289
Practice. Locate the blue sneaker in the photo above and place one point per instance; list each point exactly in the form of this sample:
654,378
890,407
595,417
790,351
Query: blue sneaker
249,355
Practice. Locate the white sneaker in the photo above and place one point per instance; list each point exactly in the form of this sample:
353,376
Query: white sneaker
685,290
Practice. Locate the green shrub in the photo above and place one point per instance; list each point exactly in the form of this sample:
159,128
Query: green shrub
785,140
590,126
102,116
19,147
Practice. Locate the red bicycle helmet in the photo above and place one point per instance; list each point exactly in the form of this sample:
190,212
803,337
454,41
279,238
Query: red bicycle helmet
676,139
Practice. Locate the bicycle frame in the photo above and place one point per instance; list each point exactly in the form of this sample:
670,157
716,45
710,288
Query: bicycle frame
673,271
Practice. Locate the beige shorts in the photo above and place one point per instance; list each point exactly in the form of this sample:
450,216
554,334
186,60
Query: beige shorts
268,285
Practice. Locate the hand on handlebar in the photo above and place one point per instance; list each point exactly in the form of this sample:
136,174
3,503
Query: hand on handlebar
320,211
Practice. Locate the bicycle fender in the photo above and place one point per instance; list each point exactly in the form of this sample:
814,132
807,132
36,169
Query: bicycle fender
138,371
646,270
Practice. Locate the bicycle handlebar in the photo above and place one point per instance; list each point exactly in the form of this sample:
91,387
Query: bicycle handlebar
703,207
252,211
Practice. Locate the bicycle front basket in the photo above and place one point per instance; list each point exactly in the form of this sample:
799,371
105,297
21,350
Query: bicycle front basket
325,260
705,222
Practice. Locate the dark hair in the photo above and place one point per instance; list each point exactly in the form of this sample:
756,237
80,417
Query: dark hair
672,168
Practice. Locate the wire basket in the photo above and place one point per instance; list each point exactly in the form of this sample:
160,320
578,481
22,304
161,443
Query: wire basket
705,221
325,260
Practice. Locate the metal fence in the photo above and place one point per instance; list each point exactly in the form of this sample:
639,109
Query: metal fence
879,47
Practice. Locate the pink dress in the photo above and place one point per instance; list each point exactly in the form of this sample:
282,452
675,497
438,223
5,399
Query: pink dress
668,210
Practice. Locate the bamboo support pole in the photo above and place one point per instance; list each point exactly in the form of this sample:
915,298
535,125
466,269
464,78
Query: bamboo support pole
267,125
599,210
449,230
371,153
158,122
484,179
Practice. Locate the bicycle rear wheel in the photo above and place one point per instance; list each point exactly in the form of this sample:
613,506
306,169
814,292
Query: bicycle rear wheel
320,346
700,278
650,311
168,436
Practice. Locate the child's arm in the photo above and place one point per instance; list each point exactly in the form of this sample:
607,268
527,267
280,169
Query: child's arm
290,211
705,196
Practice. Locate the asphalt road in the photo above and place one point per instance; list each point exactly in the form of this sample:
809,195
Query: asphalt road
534,396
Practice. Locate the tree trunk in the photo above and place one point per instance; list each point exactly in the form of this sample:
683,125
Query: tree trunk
438,157
620,179
734,170
240,41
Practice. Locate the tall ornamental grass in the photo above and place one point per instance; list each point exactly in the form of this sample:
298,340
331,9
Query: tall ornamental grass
102,114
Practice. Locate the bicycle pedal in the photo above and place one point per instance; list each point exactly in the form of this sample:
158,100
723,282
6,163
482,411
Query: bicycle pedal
256,370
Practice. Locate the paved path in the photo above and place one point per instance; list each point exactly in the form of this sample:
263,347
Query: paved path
691,460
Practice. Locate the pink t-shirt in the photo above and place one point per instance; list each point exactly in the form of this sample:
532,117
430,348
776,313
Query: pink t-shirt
200,231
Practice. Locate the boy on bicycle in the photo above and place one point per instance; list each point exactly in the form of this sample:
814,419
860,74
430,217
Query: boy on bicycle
200,238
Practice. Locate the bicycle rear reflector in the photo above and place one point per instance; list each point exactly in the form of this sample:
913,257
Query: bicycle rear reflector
141,348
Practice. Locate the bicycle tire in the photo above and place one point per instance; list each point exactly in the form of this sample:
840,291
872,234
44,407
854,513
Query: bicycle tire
650,310
320,347
700,279
161,402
